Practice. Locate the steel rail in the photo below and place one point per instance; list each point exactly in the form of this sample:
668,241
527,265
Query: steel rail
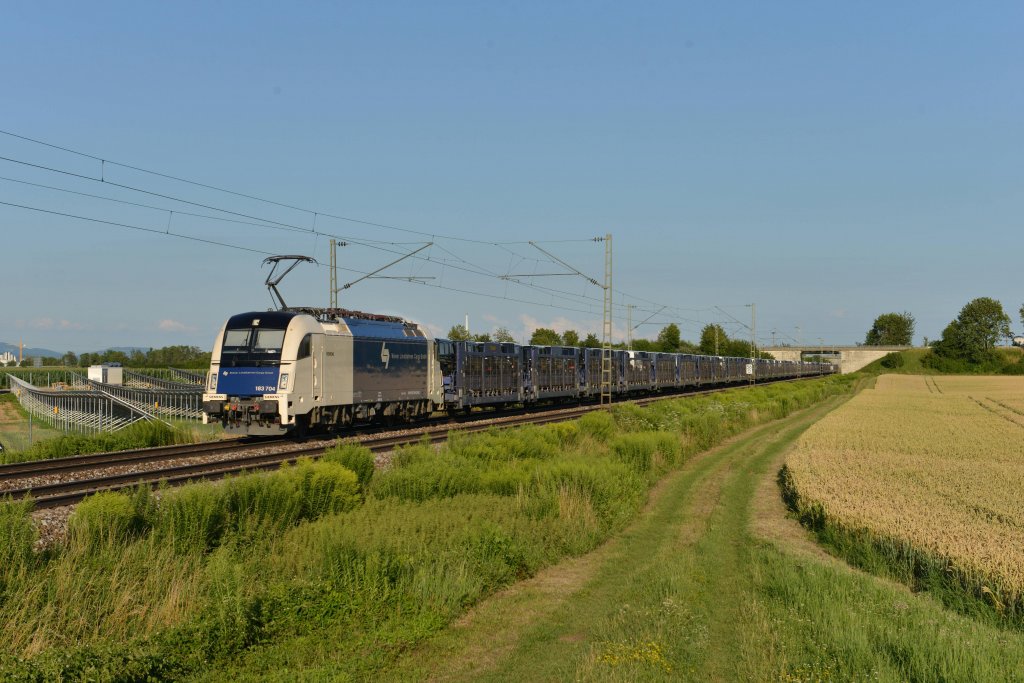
66,493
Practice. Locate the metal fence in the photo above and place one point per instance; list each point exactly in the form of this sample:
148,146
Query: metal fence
176,400
151,381
75,403
82,411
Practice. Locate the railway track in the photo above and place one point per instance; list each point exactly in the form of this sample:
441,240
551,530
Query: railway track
253,455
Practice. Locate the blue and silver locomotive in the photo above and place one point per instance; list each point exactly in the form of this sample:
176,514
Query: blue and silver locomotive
279,371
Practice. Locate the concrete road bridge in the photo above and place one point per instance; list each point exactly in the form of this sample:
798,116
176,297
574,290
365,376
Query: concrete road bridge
848,358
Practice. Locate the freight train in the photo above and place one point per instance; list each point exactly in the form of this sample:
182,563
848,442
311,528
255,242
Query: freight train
299,369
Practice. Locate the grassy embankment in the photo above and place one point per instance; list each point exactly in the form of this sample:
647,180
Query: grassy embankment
1004,361
714,582
217,583
920,480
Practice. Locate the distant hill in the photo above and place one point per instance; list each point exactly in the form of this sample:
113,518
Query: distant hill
30,351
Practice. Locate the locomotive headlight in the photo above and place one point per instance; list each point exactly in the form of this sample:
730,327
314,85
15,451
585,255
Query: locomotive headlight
213,382
283,383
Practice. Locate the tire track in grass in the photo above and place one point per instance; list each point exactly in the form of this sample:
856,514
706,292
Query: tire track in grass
658,601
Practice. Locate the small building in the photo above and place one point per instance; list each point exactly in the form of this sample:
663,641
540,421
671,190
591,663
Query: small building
105,374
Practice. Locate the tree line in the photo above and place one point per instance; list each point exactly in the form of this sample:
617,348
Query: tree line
166,357
714,341
968,342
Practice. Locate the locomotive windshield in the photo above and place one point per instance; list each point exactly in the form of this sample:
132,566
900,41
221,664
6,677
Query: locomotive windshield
252,346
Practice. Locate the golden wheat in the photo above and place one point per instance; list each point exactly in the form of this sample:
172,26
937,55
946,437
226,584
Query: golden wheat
936,462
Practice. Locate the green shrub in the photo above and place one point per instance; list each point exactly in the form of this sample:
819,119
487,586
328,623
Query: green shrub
1013,368
632,418
355,457
110,517
598,424
498,445
636,450
192,518
443,476
254,507
893,360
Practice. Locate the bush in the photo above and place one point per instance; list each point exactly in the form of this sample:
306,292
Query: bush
1013,368
252,507
357,458
987,363
110,517
893,360
598,424
442,476
498,445
636,450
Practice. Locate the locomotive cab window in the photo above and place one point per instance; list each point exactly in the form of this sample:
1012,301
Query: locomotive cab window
305,347
268,341
236,341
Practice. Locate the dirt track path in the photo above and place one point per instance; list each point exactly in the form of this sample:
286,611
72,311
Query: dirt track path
662,600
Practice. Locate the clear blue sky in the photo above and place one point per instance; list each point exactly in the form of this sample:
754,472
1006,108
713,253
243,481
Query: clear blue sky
828,161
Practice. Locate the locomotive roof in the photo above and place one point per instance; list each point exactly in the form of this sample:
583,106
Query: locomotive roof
382,329
275,320
361,325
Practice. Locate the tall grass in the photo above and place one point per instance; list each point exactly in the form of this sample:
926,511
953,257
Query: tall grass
142,434
214,576
17,539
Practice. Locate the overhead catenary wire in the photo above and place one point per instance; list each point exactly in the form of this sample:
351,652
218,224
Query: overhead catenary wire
265,253
268,223
262,222
104,161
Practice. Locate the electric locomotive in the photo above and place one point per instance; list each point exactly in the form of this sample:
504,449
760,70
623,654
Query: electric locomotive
273,372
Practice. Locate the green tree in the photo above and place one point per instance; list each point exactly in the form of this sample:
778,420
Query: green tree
737,348
980,325
669,338
545,336
645,345
713,339
69,358
503,335
591,342
482,337
891,329
571,338
458,333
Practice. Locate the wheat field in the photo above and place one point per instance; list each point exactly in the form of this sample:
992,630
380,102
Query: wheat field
936,462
